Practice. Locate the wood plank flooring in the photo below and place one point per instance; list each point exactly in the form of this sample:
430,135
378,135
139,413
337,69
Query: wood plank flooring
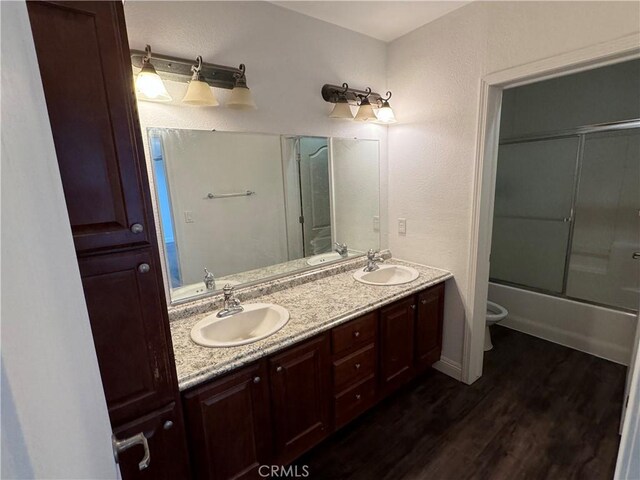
540,411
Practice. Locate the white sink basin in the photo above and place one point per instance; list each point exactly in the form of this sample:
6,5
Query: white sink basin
387,275
257,321
188,291
325,257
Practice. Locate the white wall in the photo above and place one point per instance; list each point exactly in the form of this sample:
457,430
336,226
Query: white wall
54,414
434,73
288,56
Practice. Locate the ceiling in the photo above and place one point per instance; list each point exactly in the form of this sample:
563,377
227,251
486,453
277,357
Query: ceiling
384,20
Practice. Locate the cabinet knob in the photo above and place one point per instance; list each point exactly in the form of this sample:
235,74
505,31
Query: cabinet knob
257,379
358,396
356,334
413,307
279,369
424,301
357,365
167,425
137,228
144,268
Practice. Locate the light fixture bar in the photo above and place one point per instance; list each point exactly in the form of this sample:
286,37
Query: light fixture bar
179,69
331,94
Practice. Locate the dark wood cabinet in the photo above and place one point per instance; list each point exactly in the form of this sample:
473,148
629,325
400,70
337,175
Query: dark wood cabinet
122,292
83,55
85,66
396,344
300,396
229,425
164,430
428,331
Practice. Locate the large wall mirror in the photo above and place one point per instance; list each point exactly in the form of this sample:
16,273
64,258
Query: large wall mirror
247,207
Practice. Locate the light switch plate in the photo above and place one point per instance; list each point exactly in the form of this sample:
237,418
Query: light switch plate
188,216
402,226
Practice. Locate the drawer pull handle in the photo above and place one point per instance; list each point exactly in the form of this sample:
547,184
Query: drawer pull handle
279,369
257,379
357,366
413,307
144,268
424,301
358,396
356,334
168,425
137,228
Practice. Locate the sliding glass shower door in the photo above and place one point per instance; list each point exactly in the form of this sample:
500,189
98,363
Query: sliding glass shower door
566,215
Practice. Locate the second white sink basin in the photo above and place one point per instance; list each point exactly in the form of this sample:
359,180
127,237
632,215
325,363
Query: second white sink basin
326,257
387,275
257,321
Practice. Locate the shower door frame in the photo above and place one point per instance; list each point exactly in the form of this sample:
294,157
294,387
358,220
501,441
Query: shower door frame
484,179
581,133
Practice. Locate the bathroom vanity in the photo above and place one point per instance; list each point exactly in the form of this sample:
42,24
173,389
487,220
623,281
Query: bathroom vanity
346,346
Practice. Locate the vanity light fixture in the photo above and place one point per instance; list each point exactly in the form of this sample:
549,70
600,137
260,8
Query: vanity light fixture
241,98
372,107
342,109
149,85
198,92
385,112
198,76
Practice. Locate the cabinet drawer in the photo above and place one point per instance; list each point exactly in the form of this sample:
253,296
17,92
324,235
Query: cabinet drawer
354,368
354,334
354,401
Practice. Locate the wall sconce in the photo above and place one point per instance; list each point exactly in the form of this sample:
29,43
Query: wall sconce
199,76
371,105
149,85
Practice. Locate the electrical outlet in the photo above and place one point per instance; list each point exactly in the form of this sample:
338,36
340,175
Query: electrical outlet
402,226
376,223
188,216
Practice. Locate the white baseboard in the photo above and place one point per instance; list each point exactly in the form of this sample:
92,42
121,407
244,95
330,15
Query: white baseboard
449,367
608,351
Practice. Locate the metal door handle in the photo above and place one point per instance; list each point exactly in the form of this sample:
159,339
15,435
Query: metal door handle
120,446
636,255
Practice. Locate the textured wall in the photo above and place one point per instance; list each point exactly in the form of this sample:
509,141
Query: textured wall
434,73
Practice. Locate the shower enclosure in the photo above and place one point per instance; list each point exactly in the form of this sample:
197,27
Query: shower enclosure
566,214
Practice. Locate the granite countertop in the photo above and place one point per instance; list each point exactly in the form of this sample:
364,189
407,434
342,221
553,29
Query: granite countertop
314,307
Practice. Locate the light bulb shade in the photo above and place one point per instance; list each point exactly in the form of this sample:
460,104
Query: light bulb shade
385,114
200,94
341,110
241,99
365,113
149,85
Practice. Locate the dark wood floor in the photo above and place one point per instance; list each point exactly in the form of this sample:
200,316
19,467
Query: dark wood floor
540,411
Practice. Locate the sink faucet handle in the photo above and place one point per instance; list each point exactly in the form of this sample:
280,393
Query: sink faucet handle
228,290
209,279
371,254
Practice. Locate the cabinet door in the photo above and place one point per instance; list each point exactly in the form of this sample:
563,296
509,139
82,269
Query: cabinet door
229,426
85,67
396,344
429,327
164,430
130,332
300,393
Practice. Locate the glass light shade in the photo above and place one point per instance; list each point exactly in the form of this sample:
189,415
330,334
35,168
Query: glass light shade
200,94
241,99
385,114
341,110
149,85
365,113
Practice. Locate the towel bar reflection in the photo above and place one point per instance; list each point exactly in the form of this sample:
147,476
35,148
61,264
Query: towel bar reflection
248,193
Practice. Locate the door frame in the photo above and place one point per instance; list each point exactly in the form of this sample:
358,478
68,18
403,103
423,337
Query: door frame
491,86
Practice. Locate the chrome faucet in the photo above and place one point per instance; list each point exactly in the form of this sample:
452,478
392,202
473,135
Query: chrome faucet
342,249
373,258
231,304
209,280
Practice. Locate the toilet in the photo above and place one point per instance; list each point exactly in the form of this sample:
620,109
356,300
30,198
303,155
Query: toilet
495,313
